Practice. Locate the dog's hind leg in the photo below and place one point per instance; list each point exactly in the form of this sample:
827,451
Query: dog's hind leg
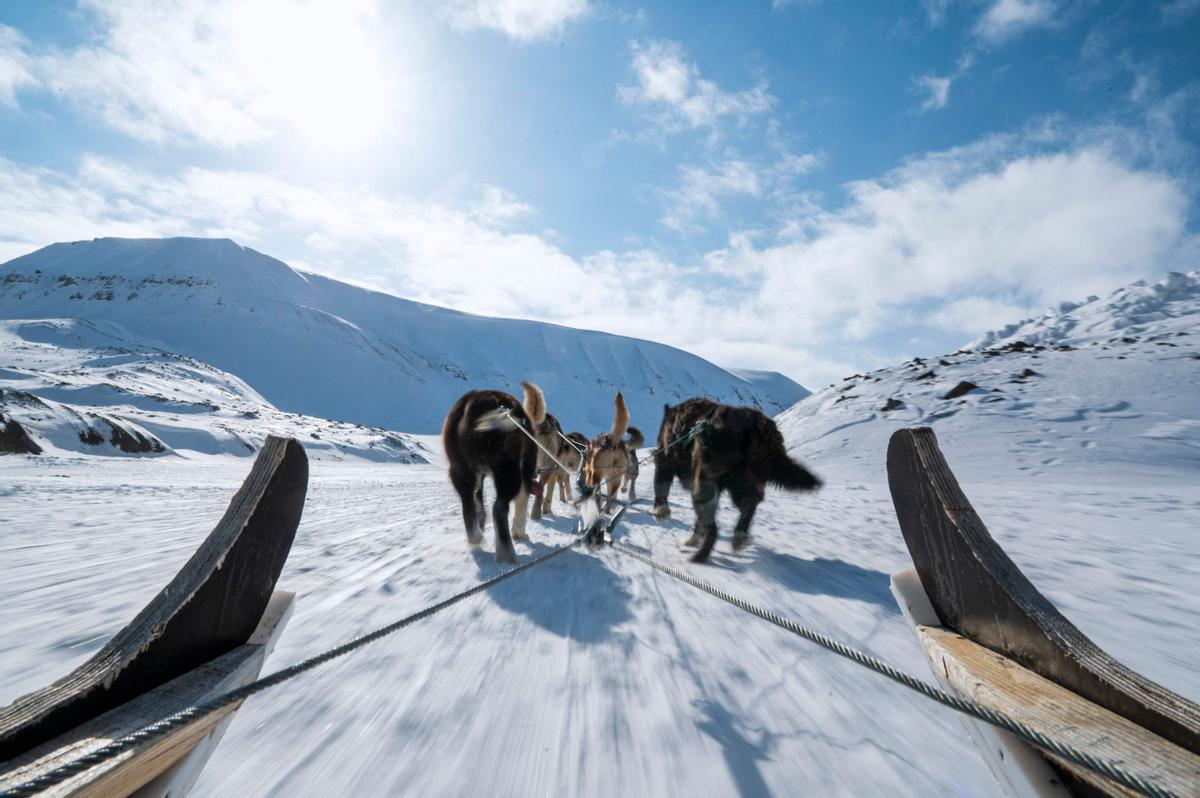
664,475
705,496
547,498
746,495
519,511
464,483
480,515
508,487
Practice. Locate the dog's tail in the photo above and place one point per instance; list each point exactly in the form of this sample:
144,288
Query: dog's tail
636,438
620,419
535,403
781,469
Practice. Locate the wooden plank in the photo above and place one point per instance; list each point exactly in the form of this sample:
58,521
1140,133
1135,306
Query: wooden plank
179,778
211,606
1001,684
979,592
1018,768
154,766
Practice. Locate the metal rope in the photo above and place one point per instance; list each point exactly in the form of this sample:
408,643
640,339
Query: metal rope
571,443
508,414
215,704
1069,753
586,491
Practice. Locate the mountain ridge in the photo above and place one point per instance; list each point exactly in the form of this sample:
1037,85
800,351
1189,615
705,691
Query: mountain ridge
315,345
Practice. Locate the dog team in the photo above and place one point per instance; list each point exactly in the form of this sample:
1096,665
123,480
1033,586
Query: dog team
712,448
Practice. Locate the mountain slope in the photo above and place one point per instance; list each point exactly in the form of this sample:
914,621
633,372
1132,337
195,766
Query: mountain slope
1088,391
313,345
92,387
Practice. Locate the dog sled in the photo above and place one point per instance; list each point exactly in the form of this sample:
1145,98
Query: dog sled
207,632
991,637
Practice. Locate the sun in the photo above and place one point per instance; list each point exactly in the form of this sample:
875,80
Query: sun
318,67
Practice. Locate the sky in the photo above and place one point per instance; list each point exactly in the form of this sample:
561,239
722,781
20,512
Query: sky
817,187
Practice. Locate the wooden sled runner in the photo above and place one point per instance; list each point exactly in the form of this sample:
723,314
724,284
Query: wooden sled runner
208,631
990,636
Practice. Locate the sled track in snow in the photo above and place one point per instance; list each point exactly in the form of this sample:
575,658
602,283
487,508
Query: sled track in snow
970,708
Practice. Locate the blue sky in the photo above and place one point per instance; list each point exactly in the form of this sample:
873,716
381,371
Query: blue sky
815,187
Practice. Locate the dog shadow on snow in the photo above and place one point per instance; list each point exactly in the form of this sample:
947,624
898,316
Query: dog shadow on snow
820,576
574,595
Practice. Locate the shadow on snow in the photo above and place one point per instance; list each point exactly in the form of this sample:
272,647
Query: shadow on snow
574,595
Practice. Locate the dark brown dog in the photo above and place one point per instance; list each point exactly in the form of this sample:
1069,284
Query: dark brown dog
480,440
633,442
737,449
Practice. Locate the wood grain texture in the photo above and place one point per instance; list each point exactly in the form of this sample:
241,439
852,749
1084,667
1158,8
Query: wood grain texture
999,683
211,606
979,592
138,766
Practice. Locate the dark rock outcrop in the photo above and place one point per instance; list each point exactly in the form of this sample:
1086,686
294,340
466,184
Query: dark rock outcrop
962,389
14,439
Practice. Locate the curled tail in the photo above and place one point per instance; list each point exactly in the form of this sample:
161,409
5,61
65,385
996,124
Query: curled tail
535,403
636,438
620,419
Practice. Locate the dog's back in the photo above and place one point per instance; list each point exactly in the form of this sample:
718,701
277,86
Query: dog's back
476,433
744,440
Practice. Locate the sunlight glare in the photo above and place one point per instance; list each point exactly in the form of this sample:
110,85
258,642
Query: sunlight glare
317,67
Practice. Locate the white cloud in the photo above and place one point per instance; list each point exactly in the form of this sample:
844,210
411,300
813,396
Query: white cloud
958,240
671,86
225,73
937,91
1179,9
16,67
699,192
979,314
1042,226
935,11
498,206
522,20
1007,18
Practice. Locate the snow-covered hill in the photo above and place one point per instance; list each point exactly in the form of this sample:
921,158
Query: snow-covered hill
313,345
1095,390
80,386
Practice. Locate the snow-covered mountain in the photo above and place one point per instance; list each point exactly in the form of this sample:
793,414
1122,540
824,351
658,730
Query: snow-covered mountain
71,385
1094,389
316,346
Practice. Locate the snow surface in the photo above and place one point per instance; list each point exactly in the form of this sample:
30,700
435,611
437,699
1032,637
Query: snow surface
319,347
593,674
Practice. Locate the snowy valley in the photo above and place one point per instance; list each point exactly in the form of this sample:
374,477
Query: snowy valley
1076,435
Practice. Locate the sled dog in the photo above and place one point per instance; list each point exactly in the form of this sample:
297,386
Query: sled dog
737,449
481,439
